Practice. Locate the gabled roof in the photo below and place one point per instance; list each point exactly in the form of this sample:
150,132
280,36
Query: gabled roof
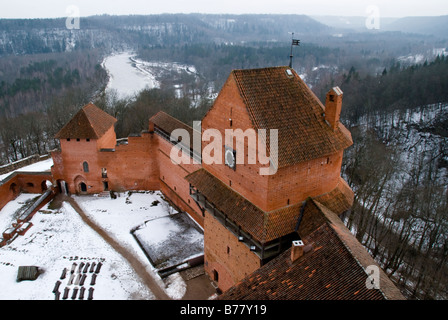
333,267
277,98
167,123
89,123
261,225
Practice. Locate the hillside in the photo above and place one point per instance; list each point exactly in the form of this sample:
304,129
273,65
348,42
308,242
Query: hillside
435,26
31,36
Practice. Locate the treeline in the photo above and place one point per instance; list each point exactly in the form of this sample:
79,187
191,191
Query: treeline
214,62
33,132
133,114
400,212
30,83
396,88
398,170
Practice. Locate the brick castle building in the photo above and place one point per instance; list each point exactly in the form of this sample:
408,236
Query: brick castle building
265,236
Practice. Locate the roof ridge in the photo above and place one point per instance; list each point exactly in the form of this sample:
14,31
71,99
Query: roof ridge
89,120
357,250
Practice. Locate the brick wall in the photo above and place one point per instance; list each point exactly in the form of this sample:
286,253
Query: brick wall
132,166
225,255
172,180
294,184
23,182
246,179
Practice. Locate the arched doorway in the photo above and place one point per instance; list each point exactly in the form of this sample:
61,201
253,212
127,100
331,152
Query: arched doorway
81,184
82,187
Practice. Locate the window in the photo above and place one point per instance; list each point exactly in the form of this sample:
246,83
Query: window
68,139
215,276
85,166
104,172
228,250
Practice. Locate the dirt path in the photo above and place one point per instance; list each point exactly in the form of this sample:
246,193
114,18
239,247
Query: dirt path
139,267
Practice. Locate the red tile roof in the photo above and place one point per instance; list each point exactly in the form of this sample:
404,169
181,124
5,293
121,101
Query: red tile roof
89,123
167,123
334,268
276,100
263,226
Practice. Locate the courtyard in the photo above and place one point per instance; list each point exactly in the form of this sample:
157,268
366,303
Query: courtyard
143,224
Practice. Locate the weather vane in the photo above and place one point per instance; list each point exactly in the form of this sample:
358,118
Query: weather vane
295,42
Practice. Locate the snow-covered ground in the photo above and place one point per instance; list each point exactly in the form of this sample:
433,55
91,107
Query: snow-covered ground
59,238
40,166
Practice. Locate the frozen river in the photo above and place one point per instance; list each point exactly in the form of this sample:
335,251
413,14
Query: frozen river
125,76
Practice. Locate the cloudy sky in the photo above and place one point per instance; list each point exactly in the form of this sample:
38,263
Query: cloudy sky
58,8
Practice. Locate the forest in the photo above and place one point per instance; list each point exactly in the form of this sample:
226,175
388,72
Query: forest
396,108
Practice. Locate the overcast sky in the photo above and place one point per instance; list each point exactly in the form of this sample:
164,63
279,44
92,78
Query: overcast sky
58,8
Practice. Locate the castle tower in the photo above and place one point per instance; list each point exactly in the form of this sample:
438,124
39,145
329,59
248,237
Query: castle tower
81,139
251,217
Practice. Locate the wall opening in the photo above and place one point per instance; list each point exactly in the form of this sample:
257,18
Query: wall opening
83,187
215,276
85,166
15,189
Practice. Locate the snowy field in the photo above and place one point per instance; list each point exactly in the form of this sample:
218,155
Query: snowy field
59,238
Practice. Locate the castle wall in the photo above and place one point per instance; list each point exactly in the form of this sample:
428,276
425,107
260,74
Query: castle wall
73,155
172,180
225,257
23,182
131,166
294,184
246,179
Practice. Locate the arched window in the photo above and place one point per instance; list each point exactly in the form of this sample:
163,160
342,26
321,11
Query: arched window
85,166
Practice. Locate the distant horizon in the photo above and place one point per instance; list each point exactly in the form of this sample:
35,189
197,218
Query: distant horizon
230,14
51,9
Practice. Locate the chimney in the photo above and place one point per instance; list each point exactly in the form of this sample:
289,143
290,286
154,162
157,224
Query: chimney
333,105
297,250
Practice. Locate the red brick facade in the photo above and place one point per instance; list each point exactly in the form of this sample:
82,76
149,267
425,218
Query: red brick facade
23,182
311,145
269,99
